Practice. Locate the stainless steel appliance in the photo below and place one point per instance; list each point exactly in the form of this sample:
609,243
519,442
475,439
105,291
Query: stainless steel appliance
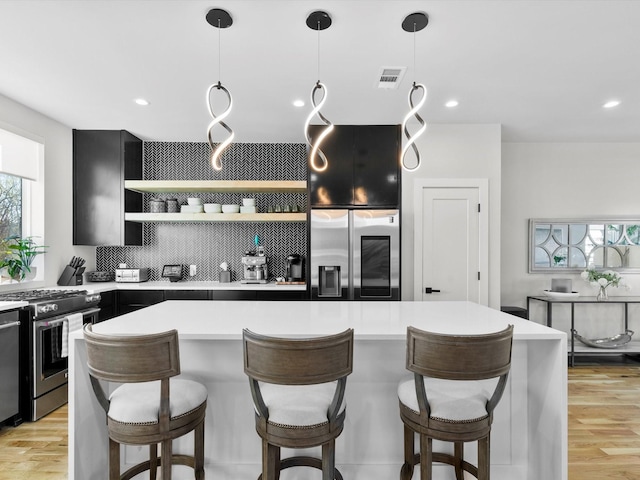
44,371
294,268
132,275
255,269
355,254
10,371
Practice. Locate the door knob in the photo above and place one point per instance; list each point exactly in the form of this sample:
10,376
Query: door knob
431,290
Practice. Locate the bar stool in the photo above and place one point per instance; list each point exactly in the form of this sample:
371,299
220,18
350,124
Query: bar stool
148,408
448,399
298,388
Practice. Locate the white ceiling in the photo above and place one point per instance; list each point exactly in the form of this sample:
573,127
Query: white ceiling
541,68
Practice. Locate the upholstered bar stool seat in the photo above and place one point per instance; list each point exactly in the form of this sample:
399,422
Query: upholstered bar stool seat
149,407
458,381
298,388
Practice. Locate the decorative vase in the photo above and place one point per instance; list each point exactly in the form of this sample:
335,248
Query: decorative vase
602,294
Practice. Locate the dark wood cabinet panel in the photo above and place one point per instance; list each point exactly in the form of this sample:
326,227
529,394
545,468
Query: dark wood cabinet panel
233,295
102,161
107,306
363,169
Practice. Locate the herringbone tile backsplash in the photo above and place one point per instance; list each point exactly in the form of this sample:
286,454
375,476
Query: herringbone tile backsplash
206,245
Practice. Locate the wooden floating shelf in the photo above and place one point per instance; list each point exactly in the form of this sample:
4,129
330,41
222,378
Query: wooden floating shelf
222,186
215,217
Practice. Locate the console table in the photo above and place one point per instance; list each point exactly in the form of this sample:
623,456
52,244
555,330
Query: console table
631,347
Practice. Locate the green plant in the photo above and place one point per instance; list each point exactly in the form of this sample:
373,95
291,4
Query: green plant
19,254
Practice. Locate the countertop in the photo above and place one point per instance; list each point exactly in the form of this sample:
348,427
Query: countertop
370,320
97,287
11,305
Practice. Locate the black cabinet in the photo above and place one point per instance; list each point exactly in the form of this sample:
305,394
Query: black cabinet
187,295
107,306
102,160
364,169
286,295
131,300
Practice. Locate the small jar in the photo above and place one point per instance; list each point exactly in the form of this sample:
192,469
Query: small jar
172,205
157,205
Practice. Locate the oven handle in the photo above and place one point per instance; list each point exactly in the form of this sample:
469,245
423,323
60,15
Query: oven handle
59,320
9,325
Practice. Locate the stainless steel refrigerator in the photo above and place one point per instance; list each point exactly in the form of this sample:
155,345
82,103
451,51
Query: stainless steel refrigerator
355,254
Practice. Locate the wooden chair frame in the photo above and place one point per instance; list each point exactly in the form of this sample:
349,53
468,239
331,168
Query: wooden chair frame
452,357
144,358
305,361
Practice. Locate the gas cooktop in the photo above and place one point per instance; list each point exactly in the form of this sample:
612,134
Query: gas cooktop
40,295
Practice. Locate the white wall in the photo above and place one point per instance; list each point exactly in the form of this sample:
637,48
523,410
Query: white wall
557,180
57,142
456,151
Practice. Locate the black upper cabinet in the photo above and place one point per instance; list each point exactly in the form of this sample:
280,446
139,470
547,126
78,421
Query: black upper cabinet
102,161
363,167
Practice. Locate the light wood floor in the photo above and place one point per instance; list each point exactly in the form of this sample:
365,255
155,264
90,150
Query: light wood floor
604,431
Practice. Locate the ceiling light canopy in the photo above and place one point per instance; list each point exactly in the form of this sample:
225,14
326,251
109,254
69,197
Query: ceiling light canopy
220,19
414,23
318,21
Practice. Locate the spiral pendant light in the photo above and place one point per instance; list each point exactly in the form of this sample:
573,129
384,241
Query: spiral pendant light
414,23
220,19
318,21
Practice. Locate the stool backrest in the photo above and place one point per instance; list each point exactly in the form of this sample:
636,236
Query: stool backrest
459,357
297,361
132,358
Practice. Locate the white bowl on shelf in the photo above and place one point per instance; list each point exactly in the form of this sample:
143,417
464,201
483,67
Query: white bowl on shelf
191,209
212,208
230,208
194,201
248,202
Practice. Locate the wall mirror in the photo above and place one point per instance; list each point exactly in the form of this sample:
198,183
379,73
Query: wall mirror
573,245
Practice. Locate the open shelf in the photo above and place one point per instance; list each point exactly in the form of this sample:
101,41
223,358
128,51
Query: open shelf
221,186
215,217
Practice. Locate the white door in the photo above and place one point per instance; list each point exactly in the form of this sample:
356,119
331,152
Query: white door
448,243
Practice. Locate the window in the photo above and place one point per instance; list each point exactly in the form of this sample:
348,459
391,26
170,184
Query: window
22,195
10,206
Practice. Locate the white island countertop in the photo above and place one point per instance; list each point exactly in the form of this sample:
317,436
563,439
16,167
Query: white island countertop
529,439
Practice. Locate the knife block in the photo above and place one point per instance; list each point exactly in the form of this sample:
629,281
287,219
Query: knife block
71,276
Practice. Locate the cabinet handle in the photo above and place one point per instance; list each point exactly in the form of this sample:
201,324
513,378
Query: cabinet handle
9,325
431,290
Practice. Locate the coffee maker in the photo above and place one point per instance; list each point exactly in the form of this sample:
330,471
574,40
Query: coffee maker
294,269
254,269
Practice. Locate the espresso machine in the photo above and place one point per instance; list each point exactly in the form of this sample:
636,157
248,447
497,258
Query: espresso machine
254,268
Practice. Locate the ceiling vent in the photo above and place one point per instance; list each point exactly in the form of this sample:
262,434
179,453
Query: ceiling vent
390,77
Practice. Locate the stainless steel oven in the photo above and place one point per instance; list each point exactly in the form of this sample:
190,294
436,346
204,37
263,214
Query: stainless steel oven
43,367
50,365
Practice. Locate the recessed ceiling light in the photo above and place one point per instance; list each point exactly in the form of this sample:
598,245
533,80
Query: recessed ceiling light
451,104
298,103
611,104
141,101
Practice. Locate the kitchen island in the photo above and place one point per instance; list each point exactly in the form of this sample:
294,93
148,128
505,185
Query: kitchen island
529,438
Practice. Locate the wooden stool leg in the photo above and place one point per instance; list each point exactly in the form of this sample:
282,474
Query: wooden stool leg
153,461
406,472
458,448
483,458
426,458
198,451
165,463
114,460
270,461
328,460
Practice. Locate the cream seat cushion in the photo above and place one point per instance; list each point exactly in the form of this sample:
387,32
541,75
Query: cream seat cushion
140,402
449,400
298,405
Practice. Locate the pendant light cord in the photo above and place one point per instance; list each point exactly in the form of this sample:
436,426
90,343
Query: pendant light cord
318,50
414,53
219,53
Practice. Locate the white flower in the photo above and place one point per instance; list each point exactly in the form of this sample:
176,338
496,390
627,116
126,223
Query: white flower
603,282
585,275
610,272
